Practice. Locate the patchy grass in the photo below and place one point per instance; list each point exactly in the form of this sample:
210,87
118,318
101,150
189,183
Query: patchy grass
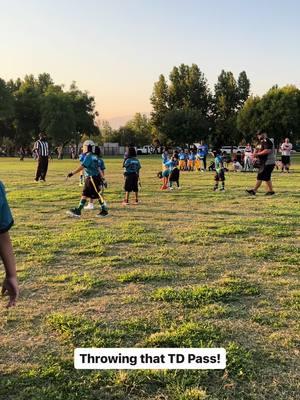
185,268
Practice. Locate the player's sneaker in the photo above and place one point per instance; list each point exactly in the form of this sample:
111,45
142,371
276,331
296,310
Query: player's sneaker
90,206
269,193
171,188
74,212
164,187
222,189
215,188
102,213
251,192
135,203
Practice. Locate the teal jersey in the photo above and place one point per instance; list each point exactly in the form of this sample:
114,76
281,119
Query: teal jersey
101,164
132,166
218,163
90,165
6,219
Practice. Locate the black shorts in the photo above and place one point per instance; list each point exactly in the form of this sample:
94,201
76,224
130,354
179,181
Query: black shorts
131,183
174,176
286,160
220,176
92,186
264,172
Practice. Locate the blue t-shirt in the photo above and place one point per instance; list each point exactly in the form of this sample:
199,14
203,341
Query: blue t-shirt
6,219
182,156
192,157
203,150
132,166
90,165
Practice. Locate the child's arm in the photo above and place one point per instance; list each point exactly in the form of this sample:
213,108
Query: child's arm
80,168
10,283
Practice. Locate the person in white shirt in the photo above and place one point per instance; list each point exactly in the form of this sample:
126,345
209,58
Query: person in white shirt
286,149
248,157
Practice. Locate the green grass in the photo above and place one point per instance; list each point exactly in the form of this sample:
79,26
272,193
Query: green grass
184,268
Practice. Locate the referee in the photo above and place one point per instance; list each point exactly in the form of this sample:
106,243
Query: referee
41,149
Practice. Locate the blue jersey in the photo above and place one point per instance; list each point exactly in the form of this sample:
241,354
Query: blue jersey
101,164
90,165
165,157
82,157
192,157
182,156
6,219
132,166
218,163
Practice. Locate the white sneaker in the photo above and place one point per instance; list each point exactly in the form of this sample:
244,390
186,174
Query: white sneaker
90,206
171,188
178,187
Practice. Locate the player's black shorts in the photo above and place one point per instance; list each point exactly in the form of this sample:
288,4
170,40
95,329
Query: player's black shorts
286,160
174,176
131,183
220,176
92,186
264,172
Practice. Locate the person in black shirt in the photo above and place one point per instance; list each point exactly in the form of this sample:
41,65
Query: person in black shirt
41,148
265,153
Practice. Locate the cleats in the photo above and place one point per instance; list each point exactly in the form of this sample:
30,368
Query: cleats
74,212
251,192
269,193
102,213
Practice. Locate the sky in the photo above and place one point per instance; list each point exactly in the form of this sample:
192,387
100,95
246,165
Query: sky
117,49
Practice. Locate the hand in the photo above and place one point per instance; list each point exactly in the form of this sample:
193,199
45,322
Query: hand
10,287
105,183
70,174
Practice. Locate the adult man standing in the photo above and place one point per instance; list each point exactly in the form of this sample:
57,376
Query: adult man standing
203,150
265,152
286,149
41,148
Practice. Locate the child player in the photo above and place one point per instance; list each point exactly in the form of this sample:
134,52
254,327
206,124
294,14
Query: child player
101,166
219,167
10,283
92,184
132,168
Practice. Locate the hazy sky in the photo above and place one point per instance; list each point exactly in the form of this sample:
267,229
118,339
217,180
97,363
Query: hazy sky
116,49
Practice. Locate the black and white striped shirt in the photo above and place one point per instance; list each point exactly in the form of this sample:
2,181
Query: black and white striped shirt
42,147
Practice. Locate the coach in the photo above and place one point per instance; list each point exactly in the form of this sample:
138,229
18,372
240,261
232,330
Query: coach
41,148
265,153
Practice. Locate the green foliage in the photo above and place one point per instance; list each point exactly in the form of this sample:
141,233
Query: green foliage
186,335
32,104
228,290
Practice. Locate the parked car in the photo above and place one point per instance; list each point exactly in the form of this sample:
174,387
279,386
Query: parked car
241,149
149,149
228,149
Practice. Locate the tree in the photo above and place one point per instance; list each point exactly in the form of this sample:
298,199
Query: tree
57,116
277,112
229,96
142,128
184,102
6,102
249,118
85,113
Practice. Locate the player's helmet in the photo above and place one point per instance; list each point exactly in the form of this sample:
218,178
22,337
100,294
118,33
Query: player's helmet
89,145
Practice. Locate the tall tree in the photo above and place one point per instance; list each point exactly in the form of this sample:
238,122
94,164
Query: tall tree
57,116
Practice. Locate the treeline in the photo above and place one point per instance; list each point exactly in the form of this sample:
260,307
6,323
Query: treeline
31,105
185,110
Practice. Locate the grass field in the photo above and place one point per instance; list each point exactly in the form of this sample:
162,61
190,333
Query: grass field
188,268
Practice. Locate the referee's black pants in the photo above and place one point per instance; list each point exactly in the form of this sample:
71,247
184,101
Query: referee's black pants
42,168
